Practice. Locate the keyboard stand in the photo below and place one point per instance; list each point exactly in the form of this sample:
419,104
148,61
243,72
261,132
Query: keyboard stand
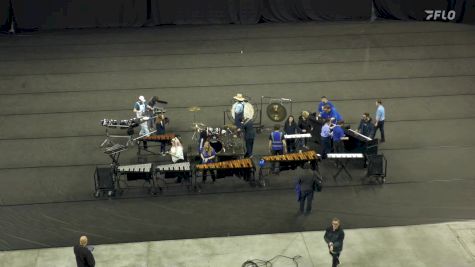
342,167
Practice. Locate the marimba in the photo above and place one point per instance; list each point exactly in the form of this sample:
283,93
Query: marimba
243,168
159,138
288,161
303,156
229,164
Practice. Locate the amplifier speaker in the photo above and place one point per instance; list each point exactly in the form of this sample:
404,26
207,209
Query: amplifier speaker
104,178
376,165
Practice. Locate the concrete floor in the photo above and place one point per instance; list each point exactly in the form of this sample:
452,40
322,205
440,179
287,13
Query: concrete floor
56,86
434,245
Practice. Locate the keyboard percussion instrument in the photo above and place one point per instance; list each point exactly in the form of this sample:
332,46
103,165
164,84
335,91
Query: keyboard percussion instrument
229,164
303,156
297,136
159,138
342,160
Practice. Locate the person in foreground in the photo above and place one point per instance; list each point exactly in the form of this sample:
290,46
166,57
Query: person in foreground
307,182
84,257
334,236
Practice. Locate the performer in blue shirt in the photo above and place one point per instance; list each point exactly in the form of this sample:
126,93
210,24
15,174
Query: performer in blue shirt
329,113
380,117
323,103
238,110
326,138
338,136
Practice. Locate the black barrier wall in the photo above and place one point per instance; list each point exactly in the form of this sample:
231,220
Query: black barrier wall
59,14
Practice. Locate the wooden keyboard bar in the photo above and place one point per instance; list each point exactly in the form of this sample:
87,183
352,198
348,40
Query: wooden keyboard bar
304,156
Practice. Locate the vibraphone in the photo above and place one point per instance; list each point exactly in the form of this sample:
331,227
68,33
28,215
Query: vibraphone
180,170
137,172
242,168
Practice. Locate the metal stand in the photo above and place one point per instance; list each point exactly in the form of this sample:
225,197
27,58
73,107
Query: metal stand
282,100
342,167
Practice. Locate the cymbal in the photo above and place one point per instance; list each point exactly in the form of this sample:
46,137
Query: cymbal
198,125
230,126
194,109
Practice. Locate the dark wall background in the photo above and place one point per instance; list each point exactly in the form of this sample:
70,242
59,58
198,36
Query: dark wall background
4,11
58,14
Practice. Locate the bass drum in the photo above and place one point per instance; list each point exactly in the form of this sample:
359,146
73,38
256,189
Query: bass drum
249,111
216,145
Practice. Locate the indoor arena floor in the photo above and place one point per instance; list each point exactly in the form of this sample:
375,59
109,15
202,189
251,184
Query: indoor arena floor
56,86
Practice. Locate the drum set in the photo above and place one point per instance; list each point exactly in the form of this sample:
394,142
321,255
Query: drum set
223,139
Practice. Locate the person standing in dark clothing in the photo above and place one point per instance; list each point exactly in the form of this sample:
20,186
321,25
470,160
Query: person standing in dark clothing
160,126
84,257
334,236
366,126
307,181
249,136
304,125
290,127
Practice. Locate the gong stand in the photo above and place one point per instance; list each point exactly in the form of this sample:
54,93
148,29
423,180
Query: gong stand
270,101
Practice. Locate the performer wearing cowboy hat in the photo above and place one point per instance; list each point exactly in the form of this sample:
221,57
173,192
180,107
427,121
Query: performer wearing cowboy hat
239,110
140,108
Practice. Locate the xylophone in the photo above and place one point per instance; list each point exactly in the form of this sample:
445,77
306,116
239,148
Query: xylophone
304,156
159,138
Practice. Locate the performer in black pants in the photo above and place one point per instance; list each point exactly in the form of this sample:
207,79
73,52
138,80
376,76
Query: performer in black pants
249,136
307,181
334,236
290,127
